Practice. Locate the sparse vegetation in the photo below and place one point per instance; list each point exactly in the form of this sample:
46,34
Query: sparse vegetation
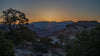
47,41
6,46
87,44
25,34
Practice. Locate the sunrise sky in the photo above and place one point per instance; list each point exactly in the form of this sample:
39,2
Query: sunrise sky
55,10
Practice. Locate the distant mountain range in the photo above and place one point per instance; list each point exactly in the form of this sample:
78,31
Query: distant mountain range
53,21
47,29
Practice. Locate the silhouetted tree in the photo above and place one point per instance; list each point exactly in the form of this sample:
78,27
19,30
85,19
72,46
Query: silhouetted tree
18,31
13,17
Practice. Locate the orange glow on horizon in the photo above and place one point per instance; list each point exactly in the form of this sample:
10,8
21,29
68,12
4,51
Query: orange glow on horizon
30,21
60,19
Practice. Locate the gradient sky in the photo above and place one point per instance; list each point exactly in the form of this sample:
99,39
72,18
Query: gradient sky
55,10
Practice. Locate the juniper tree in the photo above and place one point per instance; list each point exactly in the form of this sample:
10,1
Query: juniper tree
14,17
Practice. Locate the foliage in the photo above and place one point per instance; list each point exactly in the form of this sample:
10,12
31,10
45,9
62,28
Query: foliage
61,37
24,34
47,41
40,47
16,21
87,44
68,44
56,45
6,46
14,17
